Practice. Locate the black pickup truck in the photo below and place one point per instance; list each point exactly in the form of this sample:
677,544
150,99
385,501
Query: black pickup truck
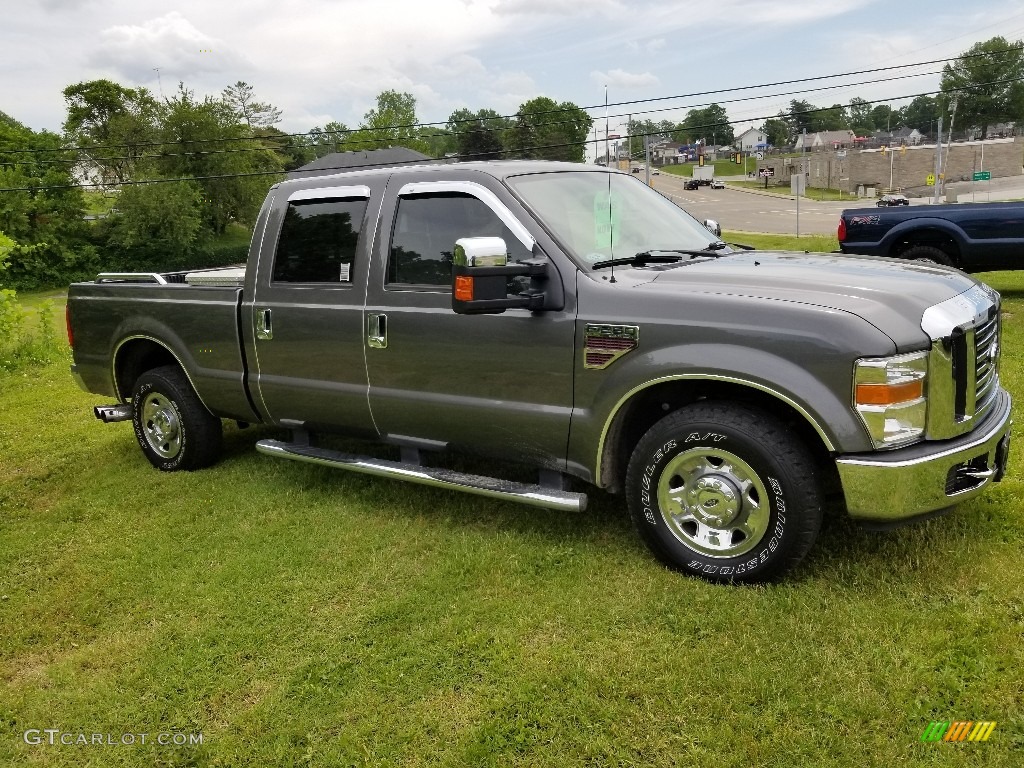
571,320
975,237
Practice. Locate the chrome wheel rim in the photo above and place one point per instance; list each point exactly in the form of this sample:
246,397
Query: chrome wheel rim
714,502
161,425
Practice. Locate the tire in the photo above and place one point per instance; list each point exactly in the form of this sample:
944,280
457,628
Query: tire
174,429
928,254
725,492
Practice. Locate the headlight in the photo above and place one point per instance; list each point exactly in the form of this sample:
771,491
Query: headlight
889,395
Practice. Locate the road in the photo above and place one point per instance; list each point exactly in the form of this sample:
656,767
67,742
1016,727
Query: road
750,211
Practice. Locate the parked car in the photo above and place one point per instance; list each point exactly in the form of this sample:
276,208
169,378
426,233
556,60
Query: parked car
691,184
887,200
975,237
716,184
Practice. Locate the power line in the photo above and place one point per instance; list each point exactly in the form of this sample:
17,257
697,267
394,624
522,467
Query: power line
367,166
403,126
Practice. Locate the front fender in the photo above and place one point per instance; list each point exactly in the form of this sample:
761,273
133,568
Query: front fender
824,405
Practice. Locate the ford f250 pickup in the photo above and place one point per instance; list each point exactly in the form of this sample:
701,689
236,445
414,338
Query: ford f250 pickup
570,319
974,237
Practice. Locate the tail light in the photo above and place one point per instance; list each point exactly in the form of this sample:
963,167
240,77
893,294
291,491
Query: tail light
67,321
841,233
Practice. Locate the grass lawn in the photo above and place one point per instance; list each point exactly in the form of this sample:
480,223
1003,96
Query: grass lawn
99,203
813,193
769,242
297,616
722,168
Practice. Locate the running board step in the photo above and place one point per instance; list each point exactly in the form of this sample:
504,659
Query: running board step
523,493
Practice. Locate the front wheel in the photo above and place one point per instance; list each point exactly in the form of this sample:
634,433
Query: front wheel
725,492
174,429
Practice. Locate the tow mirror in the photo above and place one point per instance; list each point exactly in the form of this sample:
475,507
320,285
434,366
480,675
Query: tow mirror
480,272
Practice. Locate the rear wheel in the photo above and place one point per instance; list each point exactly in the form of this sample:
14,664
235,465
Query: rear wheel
725,492
174,429
928,254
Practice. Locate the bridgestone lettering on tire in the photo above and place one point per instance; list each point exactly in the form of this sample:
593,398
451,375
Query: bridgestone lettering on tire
725,492
174,429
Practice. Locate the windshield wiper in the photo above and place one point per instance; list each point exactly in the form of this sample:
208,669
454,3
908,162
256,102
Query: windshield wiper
654,256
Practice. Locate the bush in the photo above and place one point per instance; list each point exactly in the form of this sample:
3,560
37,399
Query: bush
21,345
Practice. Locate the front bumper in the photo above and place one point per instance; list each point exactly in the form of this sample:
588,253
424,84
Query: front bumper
890,486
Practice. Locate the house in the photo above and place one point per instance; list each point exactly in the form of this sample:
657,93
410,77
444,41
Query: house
668,153
752,140
825,140
902,136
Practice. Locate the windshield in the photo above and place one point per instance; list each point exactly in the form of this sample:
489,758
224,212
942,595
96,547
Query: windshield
597,216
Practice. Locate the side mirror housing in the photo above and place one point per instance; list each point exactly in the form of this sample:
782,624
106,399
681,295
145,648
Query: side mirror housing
714,227
480,272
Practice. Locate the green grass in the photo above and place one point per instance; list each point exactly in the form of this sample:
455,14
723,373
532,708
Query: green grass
722,168
769,242
99,203
813,193
297,616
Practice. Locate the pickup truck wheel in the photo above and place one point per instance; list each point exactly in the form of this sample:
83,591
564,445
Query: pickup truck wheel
928,254
724,492
174,429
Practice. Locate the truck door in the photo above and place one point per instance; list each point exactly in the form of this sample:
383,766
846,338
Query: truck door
493,384
307,316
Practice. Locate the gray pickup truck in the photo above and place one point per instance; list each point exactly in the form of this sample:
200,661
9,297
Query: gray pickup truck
571,320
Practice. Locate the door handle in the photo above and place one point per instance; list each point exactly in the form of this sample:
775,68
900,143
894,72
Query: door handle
264,327
377,330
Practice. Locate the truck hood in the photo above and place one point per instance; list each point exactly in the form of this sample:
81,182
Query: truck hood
890,294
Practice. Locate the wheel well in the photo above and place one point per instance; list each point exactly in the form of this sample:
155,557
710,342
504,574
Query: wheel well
934,238
650,405
134,358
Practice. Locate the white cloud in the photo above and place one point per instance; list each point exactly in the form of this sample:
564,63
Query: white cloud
573,8
618,78
169,42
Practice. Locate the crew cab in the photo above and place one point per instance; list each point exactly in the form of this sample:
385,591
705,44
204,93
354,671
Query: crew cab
974,237
570,320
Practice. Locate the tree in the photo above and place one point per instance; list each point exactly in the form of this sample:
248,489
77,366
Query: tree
777,132
710,124
859,112
116,126
799,117
195,133
163,220
987,82
242,102
884,117
922,113
329,138
478,135
829,119
391,123
52,238
547,130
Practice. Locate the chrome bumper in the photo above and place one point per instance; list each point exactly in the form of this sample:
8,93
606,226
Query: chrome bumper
889,486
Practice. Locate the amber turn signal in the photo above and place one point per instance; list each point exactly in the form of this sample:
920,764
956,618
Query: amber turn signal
890,394
463,288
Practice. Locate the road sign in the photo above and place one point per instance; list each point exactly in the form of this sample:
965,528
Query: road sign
759,155
982,175
766,172
930,180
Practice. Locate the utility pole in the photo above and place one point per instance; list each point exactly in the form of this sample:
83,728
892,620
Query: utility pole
938,162
647,157
800,183
607,159
159,82
949,140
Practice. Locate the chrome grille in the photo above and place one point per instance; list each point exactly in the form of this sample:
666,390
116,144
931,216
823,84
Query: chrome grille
986,363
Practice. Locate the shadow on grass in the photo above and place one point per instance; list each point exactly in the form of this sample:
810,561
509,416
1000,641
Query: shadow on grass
844,553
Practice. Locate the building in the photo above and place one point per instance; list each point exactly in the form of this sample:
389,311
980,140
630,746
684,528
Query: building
822,140
751,140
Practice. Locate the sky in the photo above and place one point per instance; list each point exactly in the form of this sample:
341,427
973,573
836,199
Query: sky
324,60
